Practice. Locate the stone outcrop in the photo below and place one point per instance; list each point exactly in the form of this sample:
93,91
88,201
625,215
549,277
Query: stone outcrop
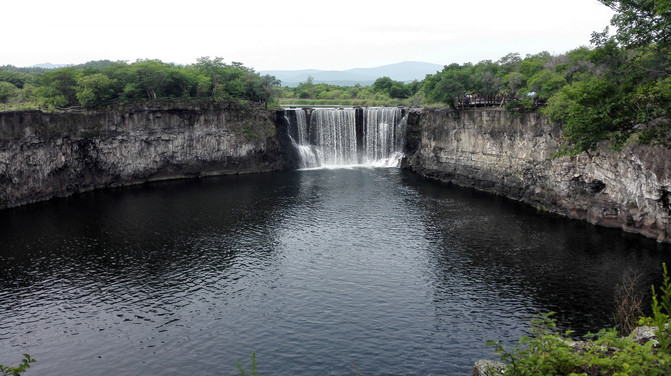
488,368
45,155
496,151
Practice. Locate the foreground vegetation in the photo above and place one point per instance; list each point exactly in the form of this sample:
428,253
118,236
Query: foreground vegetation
609,352
18,370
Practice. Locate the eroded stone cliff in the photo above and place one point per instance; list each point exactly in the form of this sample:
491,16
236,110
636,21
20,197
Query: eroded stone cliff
495,151
45,155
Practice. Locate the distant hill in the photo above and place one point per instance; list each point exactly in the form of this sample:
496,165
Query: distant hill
49,66
406,71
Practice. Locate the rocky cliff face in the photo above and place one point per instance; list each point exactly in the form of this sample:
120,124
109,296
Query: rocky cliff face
53,155
492,150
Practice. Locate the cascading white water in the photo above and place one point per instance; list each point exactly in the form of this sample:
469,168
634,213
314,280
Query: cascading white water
306,155
384,134
335,136
330,138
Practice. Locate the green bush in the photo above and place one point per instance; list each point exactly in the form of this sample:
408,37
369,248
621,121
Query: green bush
18,370
547,352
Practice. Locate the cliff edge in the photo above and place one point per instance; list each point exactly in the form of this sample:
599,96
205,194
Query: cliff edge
45,155
513,156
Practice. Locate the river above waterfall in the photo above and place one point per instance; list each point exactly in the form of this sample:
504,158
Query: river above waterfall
320,272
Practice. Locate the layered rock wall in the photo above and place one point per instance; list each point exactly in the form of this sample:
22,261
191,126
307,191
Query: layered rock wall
495,151
45,155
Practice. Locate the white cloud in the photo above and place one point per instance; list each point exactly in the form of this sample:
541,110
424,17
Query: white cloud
293,34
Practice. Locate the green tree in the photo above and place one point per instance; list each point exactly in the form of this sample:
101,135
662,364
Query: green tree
591,111
306,90
7,91
383,84
512,83
212,69
95,89
399,90
447,86
642,23
546,83
485,81
260,89
152,79
414,87
533,64
575,65
509,63
58,87
233,83
15,78
200,83
391,88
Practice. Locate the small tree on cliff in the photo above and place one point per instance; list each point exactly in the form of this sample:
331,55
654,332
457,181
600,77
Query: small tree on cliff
95,89
58,88
7,91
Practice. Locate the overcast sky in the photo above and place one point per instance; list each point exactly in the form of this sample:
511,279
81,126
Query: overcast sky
293,34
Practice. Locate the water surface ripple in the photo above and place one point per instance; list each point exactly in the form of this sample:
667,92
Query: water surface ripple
320,272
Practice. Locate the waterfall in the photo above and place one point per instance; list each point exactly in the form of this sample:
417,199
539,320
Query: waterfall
334,133
298,134
347,136
384,134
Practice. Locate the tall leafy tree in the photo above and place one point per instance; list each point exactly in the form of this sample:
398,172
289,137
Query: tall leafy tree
642,23
447,86
58,87
626,89
394,89
591,111
95,89
7,91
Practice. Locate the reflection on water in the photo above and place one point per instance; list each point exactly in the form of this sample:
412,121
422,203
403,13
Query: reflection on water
374,271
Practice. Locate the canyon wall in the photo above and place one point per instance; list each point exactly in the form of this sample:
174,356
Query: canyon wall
45,155
513,156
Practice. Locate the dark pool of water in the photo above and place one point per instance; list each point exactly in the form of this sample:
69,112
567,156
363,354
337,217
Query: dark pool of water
326,272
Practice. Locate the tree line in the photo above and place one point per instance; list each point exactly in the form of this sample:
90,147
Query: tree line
382,89
104,82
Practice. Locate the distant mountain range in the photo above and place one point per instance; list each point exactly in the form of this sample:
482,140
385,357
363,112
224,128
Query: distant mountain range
406,71
49,66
